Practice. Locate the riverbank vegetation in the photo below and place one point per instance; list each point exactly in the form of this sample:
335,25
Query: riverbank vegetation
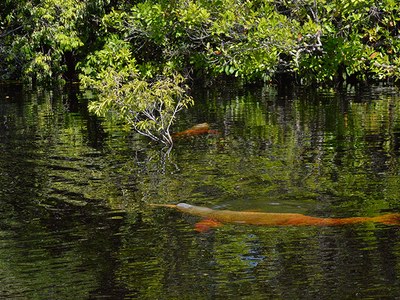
141,53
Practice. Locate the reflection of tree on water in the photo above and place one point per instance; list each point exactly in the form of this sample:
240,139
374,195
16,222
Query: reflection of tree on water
308,154
252,261
301,163
53,226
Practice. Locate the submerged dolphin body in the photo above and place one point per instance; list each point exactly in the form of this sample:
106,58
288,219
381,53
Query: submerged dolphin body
215,217
203,128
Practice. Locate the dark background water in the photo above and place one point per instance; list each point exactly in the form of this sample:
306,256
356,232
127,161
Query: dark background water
74,192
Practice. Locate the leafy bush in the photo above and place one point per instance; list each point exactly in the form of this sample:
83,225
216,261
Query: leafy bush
149,107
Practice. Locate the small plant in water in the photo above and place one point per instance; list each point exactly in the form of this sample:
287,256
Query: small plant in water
148,106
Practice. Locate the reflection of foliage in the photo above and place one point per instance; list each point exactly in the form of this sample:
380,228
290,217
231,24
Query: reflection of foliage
165,258
299,159
30,273
52,203
318,154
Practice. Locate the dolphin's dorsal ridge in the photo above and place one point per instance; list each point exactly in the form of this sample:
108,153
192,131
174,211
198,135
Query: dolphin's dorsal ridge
183,205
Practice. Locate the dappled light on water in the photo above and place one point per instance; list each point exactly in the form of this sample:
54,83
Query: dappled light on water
76,195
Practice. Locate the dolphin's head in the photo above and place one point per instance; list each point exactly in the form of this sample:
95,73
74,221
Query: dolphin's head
194,210
184,206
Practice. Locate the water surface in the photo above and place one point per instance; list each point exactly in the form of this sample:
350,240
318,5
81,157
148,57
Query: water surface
74,192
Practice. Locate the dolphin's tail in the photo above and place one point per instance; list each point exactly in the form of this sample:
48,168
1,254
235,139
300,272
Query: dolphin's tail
389,219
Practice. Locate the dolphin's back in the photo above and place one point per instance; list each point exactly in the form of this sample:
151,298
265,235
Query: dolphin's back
263,218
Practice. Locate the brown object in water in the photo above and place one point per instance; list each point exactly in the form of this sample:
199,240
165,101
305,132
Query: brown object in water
203,128
272,219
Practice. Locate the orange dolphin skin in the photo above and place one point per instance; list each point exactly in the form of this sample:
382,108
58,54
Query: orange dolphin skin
214,217
203,128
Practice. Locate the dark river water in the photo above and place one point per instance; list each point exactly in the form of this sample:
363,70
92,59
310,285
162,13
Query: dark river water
75,219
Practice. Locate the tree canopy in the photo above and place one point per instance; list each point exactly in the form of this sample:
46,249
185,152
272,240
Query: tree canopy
314,41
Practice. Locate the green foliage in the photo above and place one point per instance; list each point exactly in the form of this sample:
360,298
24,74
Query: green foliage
226,38
256,40
318,41
149,107
358,39
37,37
248,42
